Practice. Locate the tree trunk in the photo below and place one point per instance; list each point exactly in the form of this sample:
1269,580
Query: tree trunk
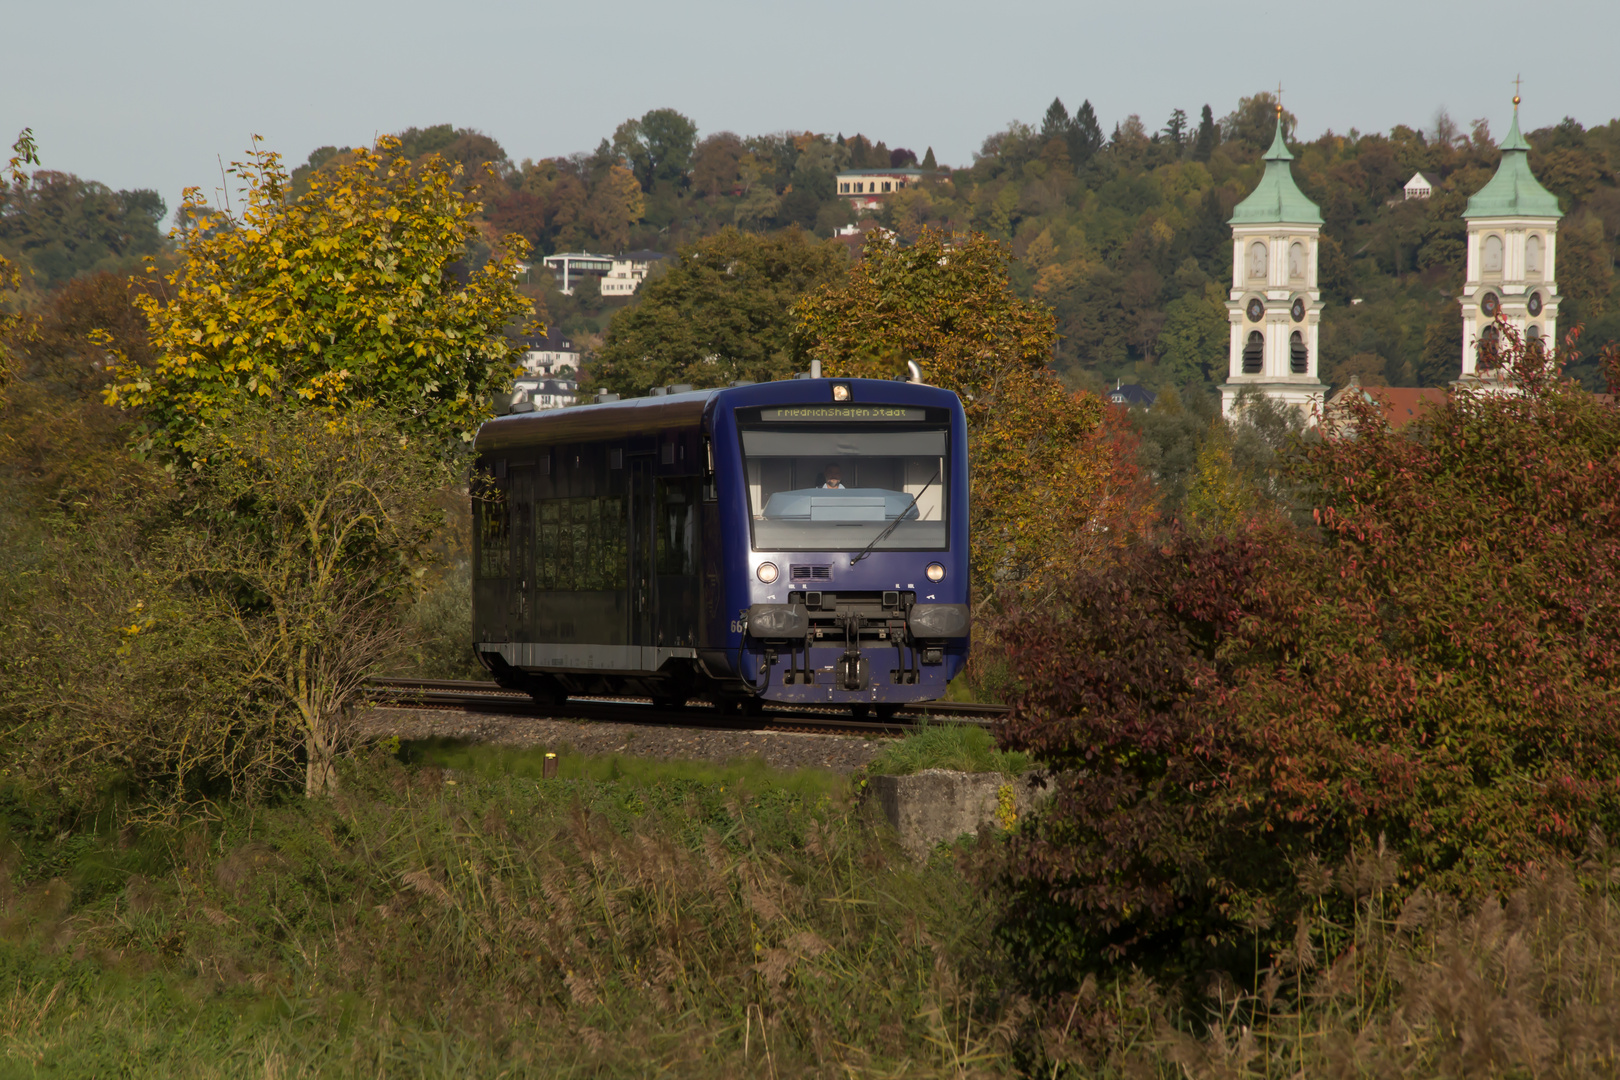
320,774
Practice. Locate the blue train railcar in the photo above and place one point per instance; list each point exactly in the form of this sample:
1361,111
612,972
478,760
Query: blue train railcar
798,541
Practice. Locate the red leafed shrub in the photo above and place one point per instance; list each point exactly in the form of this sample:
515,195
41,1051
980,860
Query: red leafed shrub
1435,664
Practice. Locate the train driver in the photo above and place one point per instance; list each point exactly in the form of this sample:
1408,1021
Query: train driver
831,478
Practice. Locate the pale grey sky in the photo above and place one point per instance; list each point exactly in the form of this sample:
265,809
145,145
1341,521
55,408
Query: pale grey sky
147,94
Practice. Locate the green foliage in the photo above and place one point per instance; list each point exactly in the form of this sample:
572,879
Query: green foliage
308,533
61,226
111,676
962,747
347,296
1193,344
440,624
722,312
658,146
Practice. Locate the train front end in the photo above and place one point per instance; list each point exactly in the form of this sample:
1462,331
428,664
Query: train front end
843,514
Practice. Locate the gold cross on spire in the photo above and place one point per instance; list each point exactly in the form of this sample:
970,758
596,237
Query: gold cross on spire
1516,81
1279,99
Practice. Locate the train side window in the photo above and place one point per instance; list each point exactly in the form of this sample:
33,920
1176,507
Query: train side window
581,544
677,527
494,528
547,535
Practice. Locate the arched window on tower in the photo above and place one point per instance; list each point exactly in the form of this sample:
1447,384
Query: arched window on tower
1257,260
1492,255
1296,262
1254,353
1532,255
1299,356
1532,340
1488,351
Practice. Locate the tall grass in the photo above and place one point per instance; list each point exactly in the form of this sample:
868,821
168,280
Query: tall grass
1524,986
477,921
500,925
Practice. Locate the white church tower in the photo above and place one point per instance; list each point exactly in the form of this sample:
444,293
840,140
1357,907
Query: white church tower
1512,233
1275,303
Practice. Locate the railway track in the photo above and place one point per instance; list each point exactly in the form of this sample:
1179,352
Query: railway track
488,697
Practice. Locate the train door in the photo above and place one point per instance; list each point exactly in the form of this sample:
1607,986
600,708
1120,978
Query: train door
520,495
641,528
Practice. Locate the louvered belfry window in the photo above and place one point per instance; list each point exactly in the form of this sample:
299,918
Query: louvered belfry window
1298,355
1254,353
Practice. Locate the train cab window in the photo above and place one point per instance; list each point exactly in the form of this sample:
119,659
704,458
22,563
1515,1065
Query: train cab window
839,489
494,528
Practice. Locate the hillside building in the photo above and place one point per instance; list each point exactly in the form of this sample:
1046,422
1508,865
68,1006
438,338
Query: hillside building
1421,186
621,275
627,273
542,394
866,188
1275,304
1131,395
551,355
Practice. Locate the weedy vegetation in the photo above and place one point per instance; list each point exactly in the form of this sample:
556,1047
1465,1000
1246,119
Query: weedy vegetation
962,747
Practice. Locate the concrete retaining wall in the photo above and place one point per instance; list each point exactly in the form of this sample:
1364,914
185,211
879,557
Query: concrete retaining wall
938,805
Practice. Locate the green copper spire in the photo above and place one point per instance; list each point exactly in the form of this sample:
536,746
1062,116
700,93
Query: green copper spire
1514,190
1277,198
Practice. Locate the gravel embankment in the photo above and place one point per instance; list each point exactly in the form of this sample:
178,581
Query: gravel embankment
780,750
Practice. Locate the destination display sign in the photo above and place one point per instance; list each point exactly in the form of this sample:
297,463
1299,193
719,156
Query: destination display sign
843,412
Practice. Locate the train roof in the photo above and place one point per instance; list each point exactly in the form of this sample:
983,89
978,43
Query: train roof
644,415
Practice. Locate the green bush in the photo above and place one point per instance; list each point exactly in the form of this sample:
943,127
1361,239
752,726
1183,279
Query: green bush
962,747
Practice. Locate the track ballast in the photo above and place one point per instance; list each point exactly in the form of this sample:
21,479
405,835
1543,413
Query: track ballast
488,697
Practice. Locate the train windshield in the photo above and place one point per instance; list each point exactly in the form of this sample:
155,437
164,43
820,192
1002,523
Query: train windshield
838,490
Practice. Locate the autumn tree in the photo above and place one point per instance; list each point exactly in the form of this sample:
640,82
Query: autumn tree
1430,670
352,294
23,153
1040,477
722,312
717,165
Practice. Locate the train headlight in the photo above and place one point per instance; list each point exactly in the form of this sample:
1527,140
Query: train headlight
840,392
935,572
766,572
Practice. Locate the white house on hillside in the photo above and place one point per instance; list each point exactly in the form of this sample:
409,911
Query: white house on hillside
865,188
550,355
1421,186
628,272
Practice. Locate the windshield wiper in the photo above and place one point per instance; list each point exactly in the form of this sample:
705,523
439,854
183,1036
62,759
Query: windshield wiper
884,535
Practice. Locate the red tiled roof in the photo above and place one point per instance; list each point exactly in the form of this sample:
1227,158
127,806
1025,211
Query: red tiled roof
1402,404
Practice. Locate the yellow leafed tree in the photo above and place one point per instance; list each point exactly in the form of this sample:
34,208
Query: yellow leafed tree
359,292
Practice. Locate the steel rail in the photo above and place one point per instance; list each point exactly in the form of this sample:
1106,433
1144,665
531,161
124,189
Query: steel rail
489,697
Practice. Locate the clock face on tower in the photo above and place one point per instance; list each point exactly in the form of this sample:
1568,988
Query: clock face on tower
1489,304
1257,310
1298,310
1534,305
